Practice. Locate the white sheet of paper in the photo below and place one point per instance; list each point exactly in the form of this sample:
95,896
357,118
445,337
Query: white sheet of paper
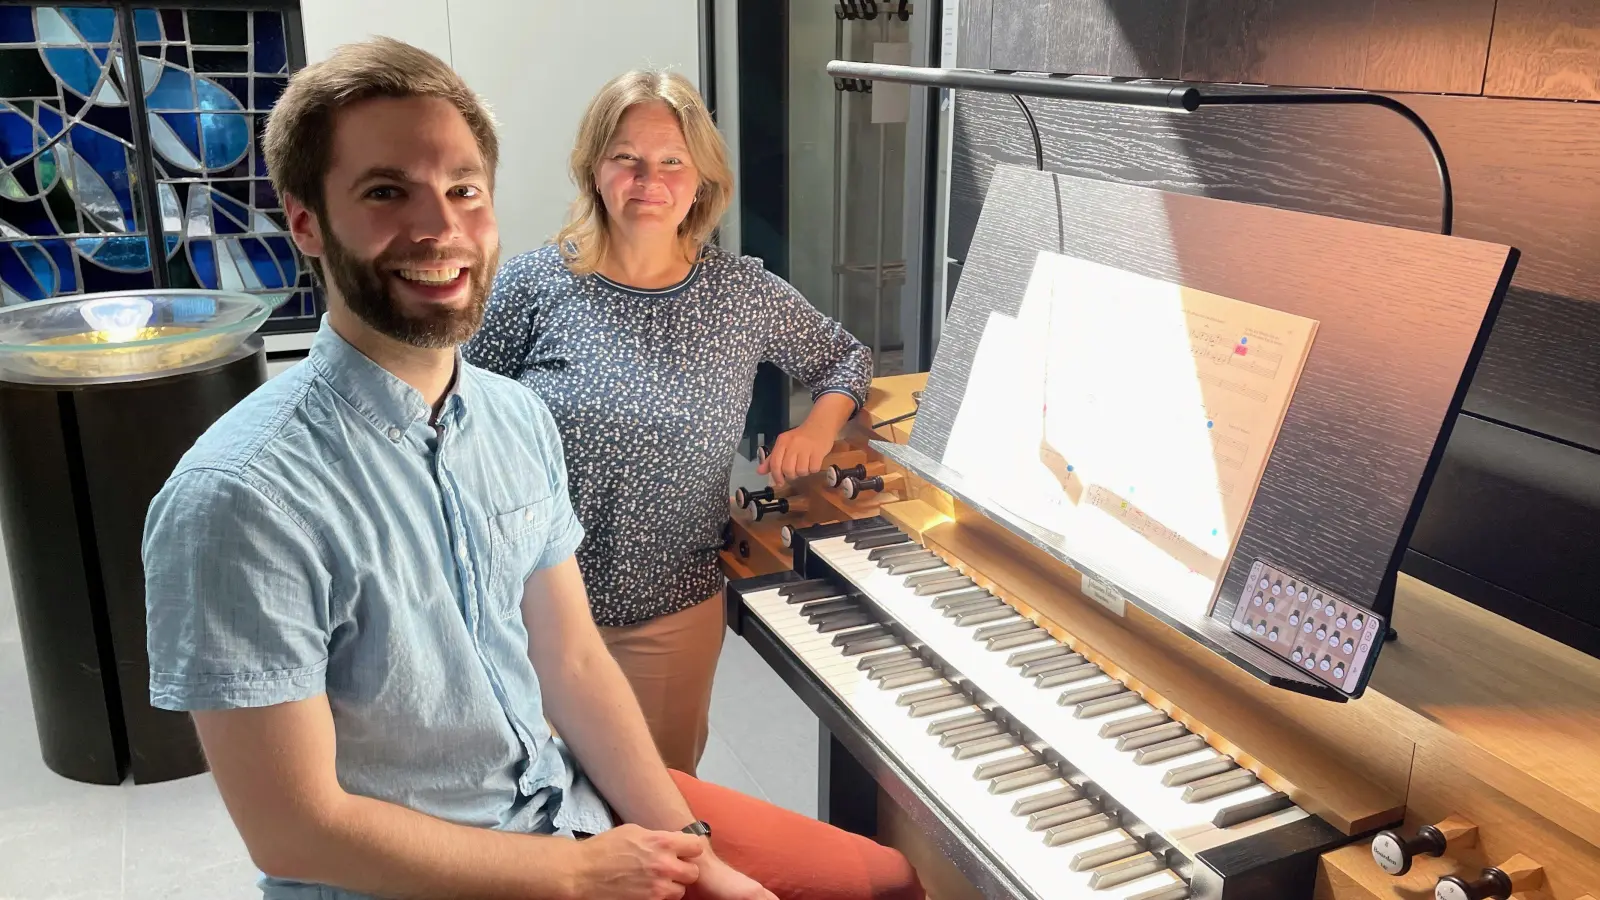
1132,417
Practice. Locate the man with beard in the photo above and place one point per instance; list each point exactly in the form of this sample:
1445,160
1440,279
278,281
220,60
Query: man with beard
361,578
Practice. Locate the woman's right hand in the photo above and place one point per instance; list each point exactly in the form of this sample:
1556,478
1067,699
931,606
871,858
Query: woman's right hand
633,863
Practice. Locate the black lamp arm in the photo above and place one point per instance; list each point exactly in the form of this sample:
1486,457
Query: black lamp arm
1174,96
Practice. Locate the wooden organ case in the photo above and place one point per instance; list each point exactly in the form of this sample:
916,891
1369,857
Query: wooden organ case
1464,764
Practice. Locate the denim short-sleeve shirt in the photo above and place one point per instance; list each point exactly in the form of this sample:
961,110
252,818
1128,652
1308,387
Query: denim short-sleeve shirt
329,535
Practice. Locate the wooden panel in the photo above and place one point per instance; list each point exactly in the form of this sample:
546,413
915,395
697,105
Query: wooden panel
972,40
1018,40
1436,46
1316,43
1545,48
1079,36
1524,176
1240,715
1147,38
1226,40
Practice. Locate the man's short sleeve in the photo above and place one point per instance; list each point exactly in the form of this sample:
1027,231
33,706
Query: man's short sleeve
236,596
565,531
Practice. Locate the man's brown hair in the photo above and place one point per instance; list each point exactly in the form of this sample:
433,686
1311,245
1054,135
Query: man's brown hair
299,136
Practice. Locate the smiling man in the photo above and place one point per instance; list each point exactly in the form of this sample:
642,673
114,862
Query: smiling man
361,579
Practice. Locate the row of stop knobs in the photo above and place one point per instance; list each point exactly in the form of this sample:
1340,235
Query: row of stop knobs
1394,853
852,481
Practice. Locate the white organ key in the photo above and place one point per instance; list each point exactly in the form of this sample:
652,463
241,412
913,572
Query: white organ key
987,817
1137,788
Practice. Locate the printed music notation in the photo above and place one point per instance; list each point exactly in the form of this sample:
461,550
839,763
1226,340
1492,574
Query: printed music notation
1133,417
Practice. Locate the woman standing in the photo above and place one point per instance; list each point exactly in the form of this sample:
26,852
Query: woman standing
643,339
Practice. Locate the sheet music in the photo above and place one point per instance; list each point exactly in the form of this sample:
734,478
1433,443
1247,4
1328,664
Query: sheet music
1133,417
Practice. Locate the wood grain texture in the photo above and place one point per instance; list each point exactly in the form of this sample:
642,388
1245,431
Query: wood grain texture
1019,37
1399,312
1226,40
1548,49
1432,46
1523,171
1079,37
972,36
1147,38
1315,43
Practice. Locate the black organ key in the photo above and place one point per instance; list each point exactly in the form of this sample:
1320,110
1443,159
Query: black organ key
999,767
878,659
1048,800
939,705
1092,692
981,746
1094,708
1004,628
1094,859
956,609
1122,872
907,679
1018,639
839,621
1169,892
1145,737
926,577
1077,831
789,590
1016,781
939,587
1052,664
882,540
945,601
1046,819
879,672
913,565
928,693
867,645
894,552
1193,772
1251,809
1067,675
826,592
1134,723
980,616
1041,654
1169,749
823,607
945,726
854,538
1219,785
971,732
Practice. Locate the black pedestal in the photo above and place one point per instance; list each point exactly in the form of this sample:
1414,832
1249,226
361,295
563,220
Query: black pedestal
79,464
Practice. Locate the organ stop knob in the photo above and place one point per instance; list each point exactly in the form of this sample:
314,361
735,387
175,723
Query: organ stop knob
1513,876
743,497
781,506
1394,853
855,487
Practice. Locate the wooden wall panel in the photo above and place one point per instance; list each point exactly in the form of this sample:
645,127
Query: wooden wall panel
972,35
1435,46
1146,38
1318,43
1524,175
1019,36
1226,40
1545,48
1079,36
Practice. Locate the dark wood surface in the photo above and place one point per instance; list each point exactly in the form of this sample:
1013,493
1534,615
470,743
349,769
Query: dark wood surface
1545,48
1428,45
1078,36
1147,38
972,34
1318,43
1226,40
1019,35
1400,317
1524,175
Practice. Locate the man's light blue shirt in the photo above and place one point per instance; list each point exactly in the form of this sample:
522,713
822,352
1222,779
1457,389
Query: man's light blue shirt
324,536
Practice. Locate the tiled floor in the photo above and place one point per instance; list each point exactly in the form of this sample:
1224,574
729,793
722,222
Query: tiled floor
60,840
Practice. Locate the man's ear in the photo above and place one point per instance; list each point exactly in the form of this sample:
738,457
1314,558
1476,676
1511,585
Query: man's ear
304,226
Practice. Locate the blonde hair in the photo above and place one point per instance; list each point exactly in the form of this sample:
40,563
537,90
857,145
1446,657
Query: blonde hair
298,141
582,240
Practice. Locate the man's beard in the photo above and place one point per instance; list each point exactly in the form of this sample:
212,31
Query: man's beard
362,285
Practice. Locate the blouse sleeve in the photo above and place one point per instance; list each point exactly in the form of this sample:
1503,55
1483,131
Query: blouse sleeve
813,348
506,335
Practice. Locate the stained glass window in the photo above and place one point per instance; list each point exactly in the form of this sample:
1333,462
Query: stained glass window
76,167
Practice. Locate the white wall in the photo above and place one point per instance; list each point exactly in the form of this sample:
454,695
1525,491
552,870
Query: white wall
537,63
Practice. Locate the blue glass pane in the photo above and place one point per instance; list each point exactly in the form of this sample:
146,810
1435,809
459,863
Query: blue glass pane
228,215
173,90
61,252
204,258
212,96
16,135
98,278
147,25
226,139
112,119
16,25
24,176
49,120
124,253
173,19
77,68
266,197
103,54
272,53
268,90
109,160
187,127
283,250
178,55
28,216
26,269
266,267
96,25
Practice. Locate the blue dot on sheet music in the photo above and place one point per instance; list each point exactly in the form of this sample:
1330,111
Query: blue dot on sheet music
1213,532
1209,424
1244,340
1069,468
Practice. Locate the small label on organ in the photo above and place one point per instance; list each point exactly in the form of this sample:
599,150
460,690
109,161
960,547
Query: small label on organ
1449,891
1386,853
1104,594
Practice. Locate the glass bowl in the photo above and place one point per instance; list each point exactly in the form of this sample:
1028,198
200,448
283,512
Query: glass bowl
123,334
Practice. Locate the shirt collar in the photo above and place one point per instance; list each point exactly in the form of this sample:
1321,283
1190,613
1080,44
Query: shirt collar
389,404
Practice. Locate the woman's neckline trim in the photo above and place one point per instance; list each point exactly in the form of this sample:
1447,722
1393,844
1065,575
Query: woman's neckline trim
689,279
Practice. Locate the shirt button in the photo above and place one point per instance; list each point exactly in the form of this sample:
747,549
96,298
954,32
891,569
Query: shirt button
461,551
527,516
394,434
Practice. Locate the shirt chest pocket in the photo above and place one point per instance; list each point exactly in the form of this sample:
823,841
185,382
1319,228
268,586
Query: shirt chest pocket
517,540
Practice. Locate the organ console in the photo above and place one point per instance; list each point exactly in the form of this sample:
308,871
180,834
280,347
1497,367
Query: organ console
1022,725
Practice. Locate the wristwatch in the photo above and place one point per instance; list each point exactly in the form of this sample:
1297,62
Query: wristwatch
699,828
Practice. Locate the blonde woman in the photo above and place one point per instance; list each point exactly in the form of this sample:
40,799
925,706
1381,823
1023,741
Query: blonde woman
643,339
